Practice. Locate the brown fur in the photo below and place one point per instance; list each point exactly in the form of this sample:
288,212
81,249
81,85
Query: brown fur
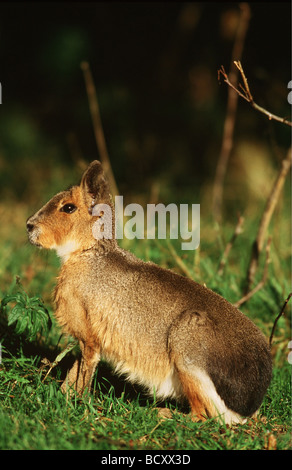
199,404
160,329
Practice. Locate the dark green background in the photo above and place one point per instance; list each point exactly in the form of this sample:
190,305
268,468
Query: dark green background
155,69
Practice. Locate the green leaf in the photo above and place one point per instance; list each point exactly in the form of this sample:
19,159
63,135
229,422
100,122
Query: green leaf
21,299
15,314
21,325
29,314
7,299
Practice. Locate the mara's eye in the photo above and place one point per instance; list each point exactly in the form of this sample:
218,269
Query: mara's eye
68,208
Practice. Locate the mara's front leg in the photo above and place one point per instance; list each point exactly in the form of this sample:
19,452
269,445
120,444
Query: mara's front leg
80,375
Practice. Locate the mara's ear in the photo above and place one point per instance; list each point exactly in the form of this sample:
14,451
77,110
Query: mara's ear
94,185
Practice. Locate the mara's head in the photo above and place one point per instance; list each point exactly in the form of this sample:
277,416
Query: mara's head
66,222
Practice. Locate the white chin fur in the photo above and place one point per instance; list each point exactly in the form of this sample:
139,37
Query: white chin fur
64,251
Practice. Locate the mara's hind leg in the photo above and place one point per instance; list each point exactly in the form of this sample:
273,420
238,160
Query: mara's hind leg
191,342
200,405
203,398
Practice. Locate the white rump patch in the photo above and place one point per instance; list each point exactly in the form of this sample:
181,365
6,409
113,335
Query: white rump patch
220,408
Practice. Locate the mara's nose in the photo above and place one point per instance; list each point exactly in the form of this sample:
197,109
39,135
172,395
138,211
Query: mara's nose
29,227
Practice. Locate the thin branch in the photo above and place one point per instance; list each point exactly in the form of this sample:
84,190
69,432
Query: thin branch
262,281
60,356
246,94
237,231
97,126
280,314
245,87
267,215
227,139
178,260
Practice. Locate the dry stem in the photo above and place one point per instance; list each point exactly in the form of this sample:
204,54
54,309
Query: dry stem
267,215
178,260
227,140
276,320
246,94
237,231
97,126
262,281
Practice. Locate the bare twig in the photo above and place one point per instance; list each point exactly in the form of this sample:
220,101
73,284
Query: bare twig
60,356
270,207
237,231
178,260
97,126
262,282
227,140
276,320
246,94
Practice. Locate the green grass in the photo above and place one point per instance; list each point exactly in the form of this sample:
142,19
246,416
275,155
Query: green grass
34,414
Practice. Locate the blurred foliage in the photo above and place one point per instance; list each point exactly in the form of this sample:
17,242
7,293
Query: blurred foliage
162,108
155,68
